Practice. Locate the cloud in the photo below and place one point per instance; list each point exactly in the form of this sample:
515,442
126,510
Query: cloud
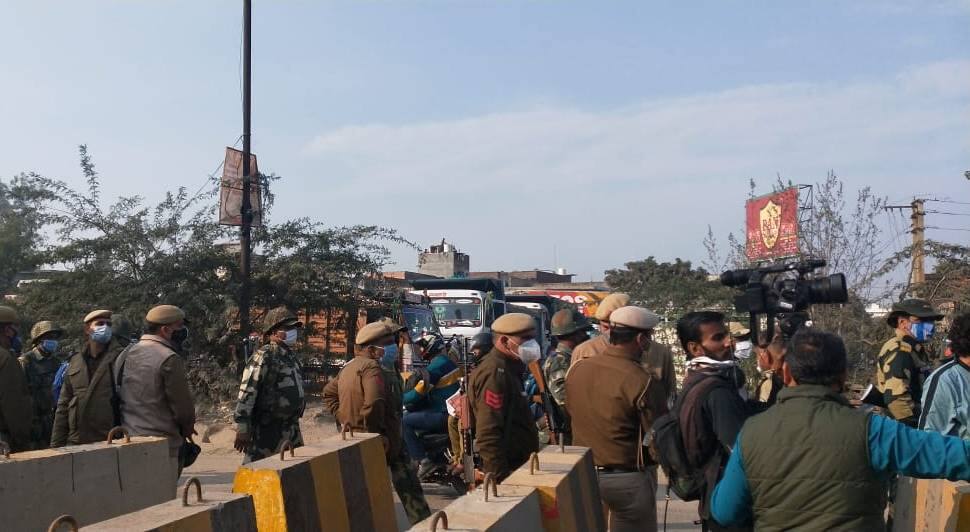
662,159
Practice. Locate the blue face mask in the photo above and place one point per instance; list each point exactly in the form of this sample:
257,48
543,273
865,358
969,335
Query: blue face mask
922,331
389,357
49,346
101,334
16,344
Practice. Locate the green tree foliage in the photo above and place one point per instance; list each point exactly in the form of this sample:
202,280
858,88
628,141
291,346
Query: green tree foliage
670,288
22,215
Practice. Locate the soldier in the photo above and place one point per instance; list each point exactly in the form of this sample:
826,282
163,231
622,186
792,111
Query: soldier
504,428
613,402
271,399
361,398
570,328
903,358
40,366
15,406
86,409
154,391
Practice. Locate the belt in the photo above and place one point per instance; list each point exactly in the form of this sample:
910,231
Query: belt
602,469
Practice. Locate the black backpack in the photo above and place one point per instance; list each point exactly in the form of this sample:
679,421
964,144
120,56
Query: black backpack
685,481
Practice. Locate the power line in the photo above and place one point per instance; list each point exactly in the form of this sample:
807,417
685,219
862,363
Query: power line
950,201
949,213
948,228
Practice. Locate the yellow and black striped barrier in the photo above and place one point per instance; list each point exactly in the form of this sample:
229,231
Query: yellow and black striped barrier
216,512
509,509
569,496
340,484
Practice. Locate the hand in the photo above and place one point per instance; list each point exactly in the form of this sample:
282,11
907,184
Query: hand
242,441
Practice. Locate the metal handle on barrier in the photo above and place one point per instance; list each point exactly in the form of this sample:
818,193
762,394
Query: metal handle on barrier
114,432
562,445
440,515
198,491
534,463
64,520
345,429
4,449
283,448
489,481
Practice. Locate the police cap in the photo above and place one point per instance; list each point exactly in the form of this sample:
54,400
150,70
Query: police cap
164,315
44,327
8,315
513,324
374,333
97,314
637,318
568,321
919,308
611,303
393,325
280,317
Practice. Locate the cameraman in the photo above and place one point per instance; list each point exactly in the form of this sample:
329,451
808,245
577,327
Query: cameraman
815,463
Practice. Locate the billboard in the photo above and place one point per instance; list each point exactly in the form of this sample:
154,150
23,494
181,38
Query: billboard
587,301
230,189
771,224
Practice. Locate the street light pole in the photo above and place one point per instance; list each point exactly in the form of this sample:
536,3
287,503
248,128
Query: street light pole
245,231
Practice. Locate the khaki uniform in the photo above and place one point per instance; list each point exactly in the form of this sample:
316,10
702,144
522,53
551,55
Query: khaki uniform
15,404
658,361
85,413
369,399
505,432
40,369
898,377
592,347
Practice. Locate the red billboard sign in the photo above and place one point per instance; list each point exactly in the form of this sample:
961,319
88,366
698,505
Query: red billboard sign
230,190
771,224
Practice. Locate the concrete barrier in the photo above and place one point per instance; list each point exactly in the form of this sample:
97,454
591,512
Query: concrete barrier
925,505
569,495
216,512
92,482
509,509
339,484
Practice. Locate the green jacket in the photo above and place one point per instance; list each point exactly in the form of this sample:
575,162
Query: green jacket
822,444
85,413
15,404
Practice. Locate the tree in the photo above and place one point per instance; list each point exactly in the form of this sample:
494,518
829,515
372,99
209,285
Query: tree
22,215
669,288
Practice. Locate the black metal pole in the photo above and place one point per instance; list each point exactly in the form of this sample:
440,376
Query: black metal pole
247,208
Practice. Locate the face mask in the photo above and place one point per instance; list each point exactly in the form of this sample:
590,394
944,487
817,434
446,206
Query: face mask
180,335
16,344
389,358
49,346
742,349
529,351
101,334
922,331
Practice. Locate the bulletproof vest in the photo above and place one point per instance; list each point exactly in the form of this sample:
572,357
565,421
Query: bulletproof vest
807,464
144,407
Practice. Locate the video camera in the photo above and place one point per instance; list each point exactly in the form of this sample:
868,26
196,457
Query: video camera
781,291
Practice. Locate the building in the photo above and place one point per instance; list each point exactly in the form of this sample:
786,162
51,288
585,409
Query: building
444,261
527,278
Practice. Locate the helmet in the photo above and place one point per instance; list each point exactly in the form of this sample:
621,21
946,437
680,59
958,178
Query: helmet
569,321
44,327
482,342
279,316
431,345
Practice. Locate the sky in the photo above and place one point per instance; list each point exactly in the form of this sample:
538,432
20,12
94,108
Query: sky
532,134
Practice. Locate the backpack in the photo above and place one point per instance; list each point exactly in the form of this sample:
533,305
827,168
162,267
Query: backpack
59,381
686,481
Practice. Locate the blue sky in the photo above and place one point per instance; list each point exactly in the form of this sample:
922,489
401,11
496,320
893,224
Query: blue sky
609,131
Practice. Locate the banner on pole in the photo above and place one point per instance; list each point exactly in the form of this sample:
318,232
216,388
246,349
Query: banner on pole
230,189
771,224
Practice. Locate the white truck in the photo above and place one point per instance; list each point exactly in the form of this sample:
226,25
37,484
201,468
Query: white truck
463,307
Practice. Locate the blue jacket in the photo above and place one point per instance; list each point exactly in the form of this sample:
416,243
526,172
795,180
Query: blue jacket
893,448
946,400
444,375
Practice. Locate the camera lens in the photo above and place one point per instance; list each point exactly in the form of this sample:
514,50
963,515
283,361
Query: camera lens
831,289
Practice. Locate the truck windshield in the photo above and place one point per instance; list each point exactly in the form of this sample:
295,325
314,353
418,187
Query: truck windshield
419,321
458,311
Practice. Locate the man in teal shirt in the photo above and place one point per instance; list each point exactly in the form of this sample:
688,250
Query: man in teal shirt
425,403
946,393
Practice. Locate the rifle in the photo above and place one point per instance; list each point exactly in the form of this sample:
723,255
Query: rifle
467,431
553,416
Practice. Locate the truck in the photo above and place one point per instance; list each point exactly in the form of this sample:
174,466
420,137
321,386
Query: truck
585,300
463,307
541,307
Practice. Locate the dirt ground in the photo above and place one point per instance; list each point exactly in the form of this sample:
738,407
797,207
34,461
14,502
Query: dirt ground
218,462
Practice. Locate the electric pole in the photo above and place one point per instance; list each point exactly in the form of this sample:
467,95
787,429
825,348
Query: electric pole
247,208
918,229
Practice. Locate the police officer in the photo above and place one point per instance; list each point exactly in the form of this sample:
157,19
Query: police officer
504,428
570,328
40,366
613,402
15,407
360,398
601,342
271,398
903,358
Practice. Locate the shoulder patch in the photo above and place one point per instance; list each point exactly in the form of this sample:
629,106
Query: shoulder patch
493,400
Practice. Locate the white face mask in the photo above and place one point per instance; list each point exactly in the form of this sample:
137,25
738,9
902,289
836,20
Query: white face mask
742,349
291,336
529,351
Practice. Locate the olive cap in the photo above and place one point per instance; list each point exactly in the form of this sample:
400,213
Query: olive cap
279,317
611,303
44,327
919,308
372,332
513,324
97,314
8,315
568,321
637,318
164,315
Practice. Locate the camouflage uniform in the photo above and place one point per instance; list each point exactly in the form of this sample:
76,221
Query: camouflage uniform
897,377
40,368
271,401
